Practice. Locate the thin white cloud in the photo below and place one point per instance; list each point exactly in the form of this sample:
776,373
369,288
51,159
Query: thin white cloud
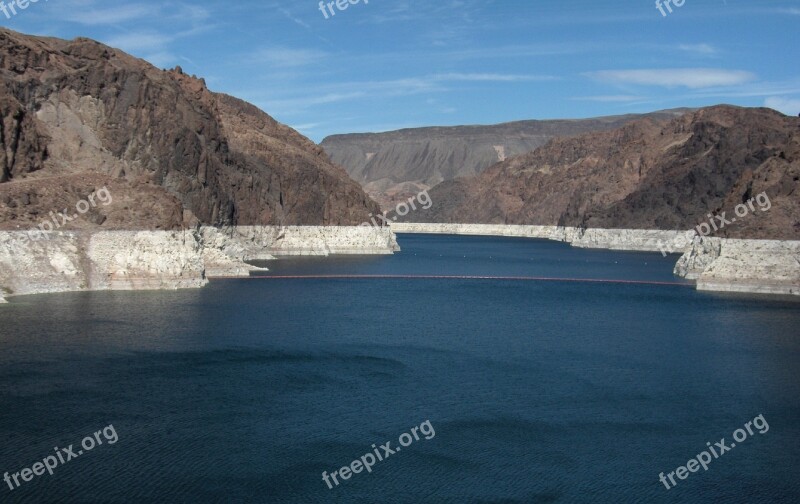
791,10
490,77
294,18
310,101
754,90
521,51
161,59
306,127
112,15
789,106
192,13
701,49
136,42
610,98
303,97
287,57
694,78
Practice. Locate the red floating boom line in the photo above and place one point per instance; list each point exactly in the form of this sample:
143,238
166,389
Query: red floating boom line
451,277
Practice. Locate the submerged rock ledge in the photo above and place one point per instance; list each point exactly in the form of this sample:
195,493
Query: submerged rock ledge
153,260
715,264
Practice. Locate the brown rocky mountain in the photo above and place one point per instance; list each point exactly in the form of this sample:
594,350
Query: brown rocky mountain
644,175
394,165
76,116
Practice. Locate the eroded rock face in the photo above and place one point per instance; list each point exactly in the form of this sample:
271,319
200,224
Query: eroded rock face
109,260
76,116
67,261
645,175
700,255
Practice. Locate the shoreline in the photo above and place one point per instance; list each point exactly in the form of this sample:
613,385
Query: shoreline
768,267
74,261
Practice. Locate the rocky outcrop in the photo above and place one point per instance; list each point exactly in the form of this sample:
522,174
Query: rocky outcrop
226,251
311,240
644,175
109,260
134,260
395,165
640,240
77,115
146,260
698,257
753,266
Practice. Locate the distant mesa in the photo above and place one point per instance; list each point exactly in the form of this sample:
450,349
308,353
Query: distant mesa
396,165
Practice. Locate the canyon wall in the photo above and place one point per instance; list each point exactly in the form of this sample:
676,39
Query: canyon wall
77,116
645,175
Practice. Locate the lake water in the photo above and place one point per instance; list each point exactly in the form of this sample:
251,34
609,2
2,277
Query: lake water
537,391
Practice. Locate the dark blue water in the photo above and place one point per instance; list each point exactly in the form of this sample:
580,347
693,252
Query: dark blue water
247,390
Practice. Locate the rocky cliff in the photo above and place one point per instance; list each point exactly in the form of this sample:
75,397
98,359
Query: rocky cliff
754,266
645,175
395,165
77,116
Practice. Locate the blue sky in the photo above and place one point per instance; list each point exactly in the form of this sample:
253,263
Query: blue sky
393,64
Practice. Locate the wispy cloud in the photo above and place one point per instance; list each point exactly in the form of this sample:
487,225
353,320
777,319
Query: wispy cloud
151,45
753,90
275,106
137,42
305,97
306,127
491,77
192,13
161,59
789,106
700,49
610,98
294,18
109,15
287,57
522,51
675,77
